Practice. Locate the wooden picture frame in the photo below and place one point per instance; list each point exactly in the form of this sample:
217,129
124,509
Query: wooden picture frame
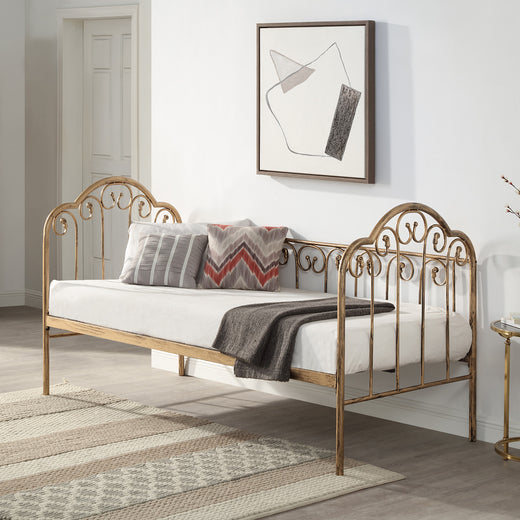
316,100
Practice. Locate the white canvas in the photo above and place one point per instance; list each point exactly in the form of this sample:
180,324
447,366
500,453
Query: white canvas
295,122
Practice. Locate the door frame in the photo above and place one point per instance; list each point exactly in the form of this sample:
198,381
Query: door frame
70,93
70,57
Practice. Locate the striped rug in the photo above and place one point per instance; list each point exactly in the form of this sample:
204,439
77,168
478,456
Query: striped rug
80,453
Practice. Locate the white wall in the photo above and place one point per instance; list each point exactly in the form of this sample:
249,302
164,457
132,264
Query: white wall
12,150
447,85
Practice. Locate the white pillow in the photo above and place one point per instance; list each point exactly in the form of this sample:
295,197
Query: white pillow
137,230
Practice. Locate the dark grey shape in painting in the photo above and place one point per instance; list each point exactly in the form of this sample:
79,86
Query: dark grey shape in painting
342,123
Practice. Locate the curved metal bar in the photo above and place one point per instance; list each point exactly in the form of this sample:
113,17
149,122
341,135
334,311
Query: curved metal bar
144,207
311,263
116,202
373,263
337,260
402,271
87,203
457,256
436,270
64,223
285,255
436,238
386,240
167,214
412,233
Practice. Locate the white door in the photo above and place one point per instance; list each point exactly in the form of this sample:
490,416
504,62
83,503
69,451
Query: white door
107,46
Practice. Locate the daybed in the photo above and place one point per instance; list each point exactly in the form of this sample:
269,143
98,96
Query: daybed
411,258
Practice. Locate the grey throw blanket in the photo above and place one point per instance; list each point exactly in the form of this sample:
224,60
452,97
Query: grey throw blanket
261,336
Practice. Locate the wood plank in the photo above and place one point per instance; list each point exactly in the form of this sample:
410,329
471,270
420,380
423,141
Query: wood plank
172,347
140,340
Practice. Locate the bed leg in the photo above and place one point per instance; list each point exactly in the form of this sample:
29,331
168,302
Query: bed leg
473,409
340,441
473,390
340,425
46,379
182,371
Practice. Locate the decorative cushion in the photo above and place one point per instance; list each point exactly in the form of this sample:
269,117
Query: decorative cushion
243,257
137,230
171,260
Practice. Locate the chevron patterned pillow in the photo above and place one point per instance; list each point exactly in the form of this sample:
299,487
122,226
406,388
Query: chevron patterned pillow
243,257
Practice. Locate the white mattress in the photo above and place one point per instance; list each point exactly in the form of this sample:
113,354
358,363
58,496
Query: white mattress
192,316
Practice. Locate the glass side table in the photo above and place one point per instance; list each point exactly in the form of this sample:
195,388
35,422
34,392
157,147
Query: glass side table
507,332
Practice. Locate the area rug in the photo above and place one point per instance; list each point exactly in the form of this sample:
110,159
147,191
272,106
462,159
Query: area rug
80,453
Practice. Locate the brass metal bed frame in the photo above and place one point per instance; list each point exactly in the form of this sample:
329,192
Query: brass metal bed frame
410,242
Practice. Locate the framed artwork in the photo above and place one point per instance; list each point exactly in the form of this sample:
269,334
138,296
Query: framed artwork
315,100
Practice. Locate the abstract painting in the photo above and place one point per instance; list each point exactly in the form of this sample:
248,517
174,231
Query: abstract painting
315,100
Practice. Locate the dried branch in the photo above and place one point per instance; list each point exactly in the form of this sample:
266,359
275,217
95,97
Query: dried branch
508,207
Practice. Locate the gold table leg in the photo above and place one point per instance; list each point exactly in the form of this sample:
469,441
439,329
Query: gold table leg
502,446
507,367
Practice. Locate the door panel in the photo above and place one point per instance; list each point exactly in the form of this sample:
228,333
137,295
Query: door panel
101,137
126,136
107,135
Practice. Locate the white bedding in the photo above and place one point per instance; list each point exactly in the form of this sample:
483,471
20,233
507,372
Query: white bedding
192,316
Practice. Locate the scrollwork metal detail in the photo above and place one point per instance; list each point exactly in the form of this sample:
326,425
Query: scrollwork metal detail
406,269
284,256
166,215
461,255
438,237
383,242
64,223
418,223
306,262
88,204
437,272
311,263
365,259
116,201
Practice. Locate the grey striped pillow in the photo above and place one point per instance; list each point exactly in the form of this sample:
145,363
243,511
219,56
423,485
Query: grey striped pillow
171,260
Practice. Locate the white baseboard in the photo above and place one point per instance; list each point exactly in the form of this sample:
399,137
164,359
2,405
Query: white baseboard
18,298
33,298
12,298
401,408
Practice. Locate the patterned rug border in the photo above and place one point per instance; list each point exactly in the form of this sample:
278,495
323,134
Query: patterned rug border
81,453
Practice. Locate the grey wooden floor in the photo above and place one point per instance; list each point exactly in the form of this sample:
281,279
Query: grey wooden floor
447,477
